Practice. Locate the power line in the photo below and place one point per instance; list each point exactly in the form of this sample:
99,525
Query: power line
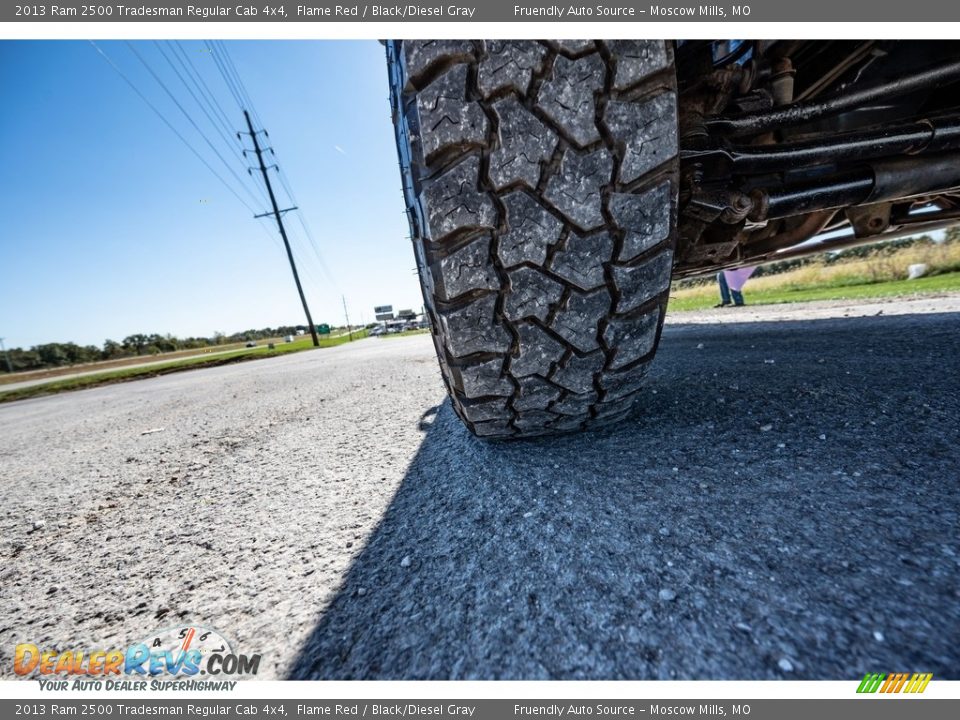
313,244
172,127
236,87
196,99
231,66
192,121
210,97
202,101
310,264
182,139
232,77
197,76
226,77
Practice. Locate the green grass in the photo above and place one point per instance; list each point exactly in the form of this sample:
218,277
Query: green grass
110,377
840,291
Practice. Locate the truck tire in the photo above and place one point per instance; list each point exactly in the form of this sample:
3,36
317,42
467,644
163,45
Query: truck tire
540,181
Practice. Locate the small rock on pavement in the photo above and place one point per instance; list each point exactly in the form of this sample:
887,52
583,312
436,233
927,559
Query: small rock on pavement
766,428
405,562
878,636
785,665
38,525
667,595
823,436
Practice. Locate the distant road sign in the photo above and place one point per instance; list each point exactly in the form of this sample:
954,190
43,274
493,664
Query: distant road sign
385,316
406,314
323,329
383,309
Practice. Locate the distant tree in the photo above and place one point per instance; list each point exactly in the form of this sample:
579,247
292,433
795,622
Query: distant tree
137,343
89,354
24,359
76,354
157,343
51,354
111,350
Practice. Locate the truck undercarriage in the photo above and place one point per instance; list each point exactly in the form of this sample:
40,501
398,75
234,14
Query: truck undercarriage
794,147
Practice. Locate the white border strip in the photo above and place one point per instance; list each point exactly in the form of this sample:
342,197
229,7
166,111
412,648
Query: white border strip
291,30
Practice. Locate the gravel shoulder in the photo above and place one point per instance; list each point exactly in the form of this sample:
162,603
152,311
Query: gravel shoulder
786,507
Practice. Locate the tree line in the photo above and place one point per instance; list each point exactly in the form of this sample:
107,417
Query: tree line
52,355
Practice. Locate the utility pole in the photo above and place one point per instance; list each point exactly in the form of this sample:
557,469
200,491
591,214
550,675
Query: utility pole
349,329
283,233
6,355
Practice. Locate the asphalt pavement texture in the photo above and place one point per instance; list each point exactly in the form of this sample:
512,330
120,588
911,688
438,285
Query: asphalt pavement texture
784,506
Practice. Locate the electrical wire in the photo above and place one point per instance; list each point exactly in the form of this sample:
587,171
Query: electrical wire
238,81
210,94
235,82
273,238
204,92
306,229
237,90
212,101
200,104
226,76
171,126
192,121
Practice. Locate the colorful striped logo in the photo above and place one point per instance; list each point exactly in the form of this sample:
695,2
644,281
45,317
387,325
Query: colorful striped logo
894,683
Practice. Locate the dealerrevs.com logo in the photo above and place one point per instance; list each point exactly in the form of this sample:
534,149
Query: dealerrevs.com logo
181,653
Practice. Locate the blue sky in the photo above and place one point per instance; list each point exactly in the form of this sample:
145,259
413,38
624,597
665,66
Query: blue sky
111,226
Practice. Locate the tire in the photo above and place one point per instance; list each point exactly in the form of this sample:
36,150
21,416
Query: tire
541,187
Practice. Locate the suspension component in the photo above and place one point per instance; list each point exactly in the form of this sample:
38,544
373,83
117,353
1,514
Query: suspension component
881,180
839,102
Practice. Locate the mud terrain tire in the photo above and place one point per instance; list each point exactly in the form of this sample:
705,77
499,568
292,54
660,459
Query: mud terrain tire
541,187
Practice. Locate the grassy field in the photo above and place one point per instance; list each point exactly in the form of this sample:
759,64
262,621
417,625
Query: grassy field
882,275
6,379
191,363
894,288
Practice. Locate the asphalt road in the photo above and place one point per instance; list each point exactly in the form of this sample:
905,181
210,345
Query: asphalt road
785,507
